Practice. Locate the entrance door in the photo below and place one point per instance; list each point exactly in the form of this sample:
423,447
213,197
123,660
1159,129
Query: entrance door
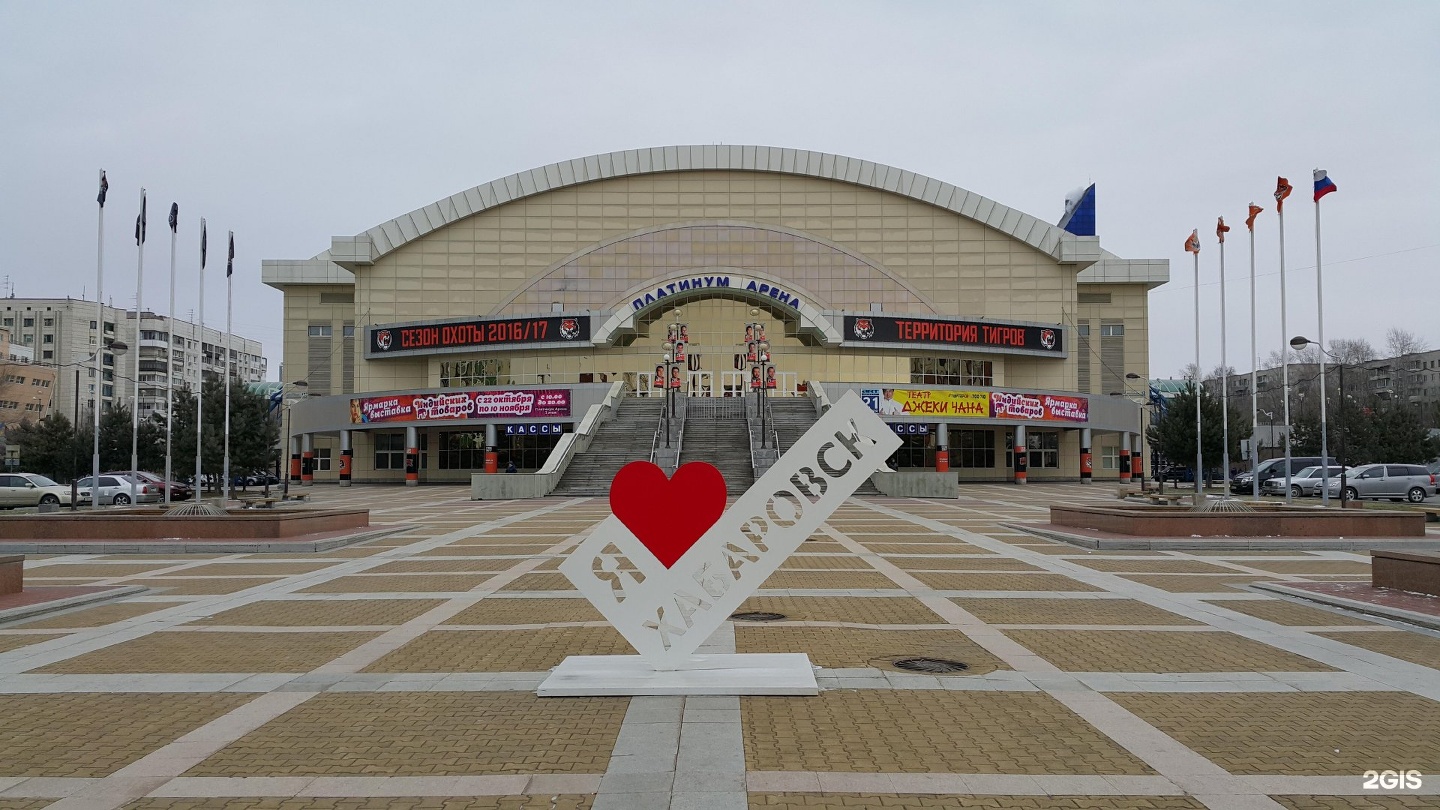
702,383
734,383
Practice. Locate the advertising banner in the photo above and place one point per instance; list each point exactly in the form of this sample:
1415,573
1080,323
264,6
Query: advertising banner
387,340
959,335
1039,407
976,404
460,405
922,402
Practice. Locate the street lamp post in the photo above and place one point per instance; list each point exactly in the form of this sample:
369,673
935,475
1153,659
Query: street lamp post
116,348
285,481
1298,343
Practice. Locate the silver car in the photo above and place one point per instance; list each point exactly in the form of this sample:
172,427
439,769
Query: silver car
1303,484
115,490
1408,482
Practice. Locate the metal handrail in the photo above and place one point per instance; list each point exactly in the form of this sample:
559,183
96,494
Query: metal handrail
654,445
680,440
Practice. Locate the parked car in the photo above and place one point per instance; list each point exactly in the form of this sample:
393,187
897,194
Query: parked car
179,491
29,489
1274,468
1303,484
1409,482
115,490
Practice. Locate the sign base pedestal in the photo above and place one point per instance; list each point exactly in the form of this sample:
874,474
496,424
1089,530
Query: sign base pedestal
730,674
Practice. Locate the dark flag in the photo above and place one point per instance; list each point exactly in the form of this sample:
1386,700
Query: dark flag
140,223
104,187
202,243
230,262
174,217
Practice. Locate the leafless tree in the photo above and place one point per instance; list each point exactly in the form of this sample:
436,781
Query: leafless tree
1351,352
1402,341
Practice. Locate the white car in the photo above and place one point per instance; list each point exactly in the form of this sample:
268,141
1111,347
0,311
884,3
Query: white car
1303,484
29,489
115,490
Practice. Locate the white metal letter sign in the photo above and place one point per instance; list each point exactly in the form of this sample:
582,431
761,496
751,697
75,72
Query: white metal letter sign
671,564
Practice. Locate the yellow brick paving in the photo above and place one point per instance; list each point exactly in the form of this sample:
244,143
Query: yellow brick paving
860,731
427,733
875,731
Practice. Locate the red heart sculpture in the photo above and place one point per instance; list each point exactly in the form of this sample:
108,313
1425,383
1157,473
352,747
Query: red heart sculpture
668,515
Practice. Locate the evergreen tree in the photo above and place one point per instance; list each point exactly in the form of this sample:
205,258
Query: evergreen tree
47,447
1172,434
253,433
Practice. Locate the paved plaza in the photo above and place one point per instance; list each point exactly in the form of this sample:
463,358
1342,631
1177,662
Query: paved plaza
401,672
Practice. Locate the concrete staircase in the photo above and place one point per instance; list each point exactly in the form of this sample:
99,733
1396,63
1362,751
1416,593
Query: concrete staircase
723,442
623,439
790,417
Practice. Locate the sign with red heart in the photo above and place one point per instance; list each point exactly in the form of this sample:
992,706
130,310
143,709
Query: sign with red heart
673,562
667,515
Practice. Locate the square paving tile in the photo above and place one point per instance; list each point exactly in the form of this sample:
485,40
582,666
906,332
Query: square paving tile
854,609
807,580
994,562
540,582
1407,646
563,801
185,652
1354,802
501,610
254,569
1299,733
1288,613
87,735
1070,611
322,613
824,562
1158,651
95,616
204,586
9,642
933,801
1312,566
1196,583
1003,582
436,583
842,647
1152,566
500,650
879,731
93,570
427,734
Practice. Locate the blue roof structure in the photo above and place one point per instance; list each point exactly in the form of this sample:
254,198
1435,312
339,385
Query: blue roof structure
1079,216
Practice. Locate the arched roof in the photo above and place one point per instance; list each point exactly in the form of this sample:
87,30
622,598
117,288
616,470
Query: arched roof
365,248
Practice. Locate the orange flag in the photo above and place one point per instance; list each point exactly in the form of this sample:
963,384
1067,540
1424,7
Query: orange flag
1282,190
1250,220
1192,245
1221,229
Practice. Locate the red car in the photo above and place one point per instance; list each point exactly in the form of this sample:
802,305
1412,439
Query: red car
178,491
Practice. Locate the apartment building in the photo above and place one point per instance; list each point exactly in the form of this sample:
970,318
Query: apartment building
64,334
27,390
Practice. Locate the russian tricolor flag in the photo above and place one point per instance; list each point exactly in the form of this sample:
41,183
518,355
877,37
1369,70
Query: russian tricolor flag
1323,184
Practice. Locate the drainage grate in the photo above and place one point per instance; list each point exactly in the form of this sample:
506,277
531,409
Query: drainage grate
934,665
757,616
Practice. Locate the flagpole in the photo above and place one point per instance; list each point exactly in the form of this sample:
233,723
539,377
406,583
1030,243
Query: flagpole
170,355
1224,378
99,348
1199,447
200,383
1254,370
135,386
1284,351
1324,392
229,287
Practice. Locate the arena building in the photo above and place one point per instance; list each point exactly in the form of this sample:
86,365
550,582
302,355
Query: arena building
492,322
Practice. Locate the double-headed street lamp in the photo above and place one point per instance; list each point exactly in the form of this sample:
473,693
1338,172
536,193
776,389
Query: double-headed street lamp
677,334
760,367
1299,343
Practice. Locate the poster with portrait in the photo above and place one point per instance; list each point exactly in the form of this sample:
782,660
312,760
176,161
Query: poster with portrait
659,377
680,352
770,378
755,379
675,377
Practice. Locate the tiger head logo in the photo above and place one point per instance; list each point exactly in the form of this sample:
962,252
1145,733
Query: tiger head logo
383,340
864,328
1047,338
569,328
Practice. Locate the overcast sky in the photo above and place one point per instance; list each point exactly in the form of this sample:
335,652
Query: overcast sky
291,123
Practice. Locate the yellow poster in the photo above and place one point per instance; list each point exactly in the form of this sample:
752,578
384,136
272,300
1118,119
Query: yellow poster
924,402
